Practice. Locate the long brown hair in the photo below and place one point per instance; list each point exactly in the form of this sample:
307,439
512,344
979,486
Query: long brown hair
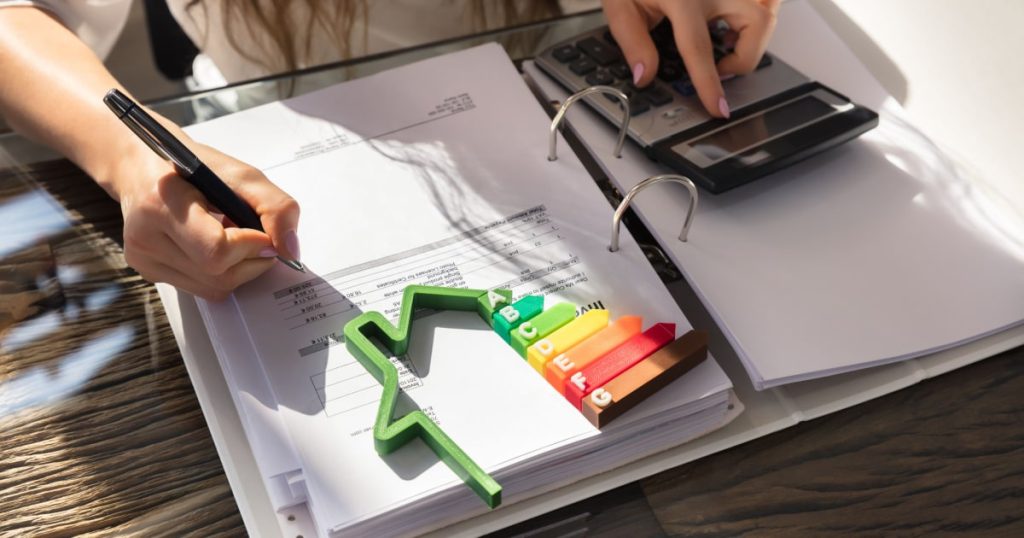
277,40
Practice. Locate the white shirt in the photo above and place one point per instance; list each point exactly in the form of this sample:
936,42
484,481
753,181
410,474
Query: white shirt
392,24
98,23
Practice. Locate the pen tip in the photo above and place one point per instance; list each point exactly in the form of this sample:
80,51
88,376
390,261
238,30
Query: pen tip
294,264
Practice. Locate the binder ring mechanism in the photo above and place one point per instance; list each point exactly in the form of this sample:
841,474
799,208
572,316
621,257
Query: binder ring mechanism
607,90
621,210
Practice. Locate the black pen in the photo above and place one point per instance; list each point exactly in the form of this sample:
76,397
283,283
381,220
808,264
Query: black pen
187,165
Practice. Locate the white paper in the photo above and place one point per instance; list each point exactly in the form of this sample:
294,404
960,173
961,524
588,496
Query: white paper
409,177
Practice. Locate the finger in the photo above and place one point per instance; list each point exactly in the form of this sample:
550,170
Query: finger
754,23
217,289
155,271
631,29
208,246
690,29
146,263
164,251
278,212
239,274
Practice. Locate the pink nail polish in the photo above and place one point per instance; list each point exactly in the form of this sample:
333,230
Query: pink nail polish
638,71
291,240
268,252
723,107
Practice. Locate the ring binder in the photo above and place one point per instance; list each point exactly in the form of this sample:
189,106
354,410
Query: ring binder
608,90
621,210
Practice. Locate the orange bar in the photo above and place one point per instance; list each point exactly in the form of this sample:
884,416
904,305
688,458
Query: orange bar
562,367
617,361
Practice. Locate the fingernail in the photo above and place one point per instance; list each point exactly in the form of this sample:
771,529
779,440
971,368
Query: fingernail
291,240
638,71
268,252
723,107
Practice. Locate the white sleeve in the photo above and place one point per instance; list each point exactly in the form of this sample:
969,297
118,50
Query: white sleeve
98,23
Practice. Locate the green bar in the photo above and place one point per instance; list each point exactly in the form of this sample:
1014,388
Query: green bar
542,325
527,307
491,301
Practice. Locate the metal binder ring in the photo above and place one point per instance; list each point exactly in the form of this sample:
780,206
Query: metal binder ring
553,139
621,210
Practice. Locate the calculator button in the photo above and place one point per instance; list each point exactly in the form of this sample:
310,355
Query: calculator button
637,102
627,88
600,52
657,95
582,66
565,53
638,105
599,77
621,71
684,87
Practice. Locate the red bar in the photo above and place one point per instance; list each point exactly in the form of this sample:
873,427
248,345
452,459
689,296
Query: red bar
617,361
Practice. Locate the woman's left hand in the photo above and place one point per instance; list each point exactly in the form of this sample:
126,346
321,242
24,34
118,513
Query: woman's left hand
752,20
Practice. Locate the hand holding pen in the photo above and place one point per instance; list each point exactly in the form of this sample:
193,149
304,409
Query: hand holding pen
172,233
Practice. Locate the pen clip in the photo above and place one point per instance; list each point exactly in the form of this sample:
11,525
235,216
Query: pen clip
151,132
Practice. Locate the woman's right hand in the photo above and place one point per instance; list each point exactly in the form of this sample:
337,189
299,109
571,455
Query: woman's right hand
172,235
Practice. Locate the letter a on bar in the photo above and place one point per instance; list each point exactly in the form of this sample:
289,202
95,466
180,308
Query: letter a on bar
491,302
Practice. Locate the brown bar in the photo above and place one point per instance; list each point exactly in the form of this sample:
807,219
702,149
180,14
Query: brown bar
645,378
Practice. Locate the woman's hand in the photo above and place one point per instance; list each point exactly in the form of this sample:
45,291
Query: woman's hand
752,20
172,235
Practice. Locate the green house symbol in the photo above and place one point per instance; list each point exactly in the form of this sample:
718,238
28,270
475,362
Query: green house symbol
391,433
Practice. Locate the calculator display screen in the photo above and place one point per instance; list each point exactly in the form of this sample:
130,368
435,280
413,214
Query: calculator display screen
756,129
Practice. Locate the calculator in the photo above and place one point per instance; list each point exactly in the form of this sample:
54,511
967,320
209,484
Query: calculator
779,115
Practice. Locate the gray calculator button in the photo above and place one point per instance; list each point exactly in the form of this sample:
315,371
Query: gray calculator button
566,53
601,77
600,51
621,71
638,105
657,95
582,66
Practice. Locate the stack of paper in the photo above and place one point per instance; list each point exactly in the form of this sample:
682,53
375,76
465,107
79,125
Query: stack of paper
430,174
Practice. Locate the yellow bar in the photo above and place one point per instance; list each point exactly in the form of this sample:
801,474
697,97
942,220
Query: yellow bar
563,366
565,338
